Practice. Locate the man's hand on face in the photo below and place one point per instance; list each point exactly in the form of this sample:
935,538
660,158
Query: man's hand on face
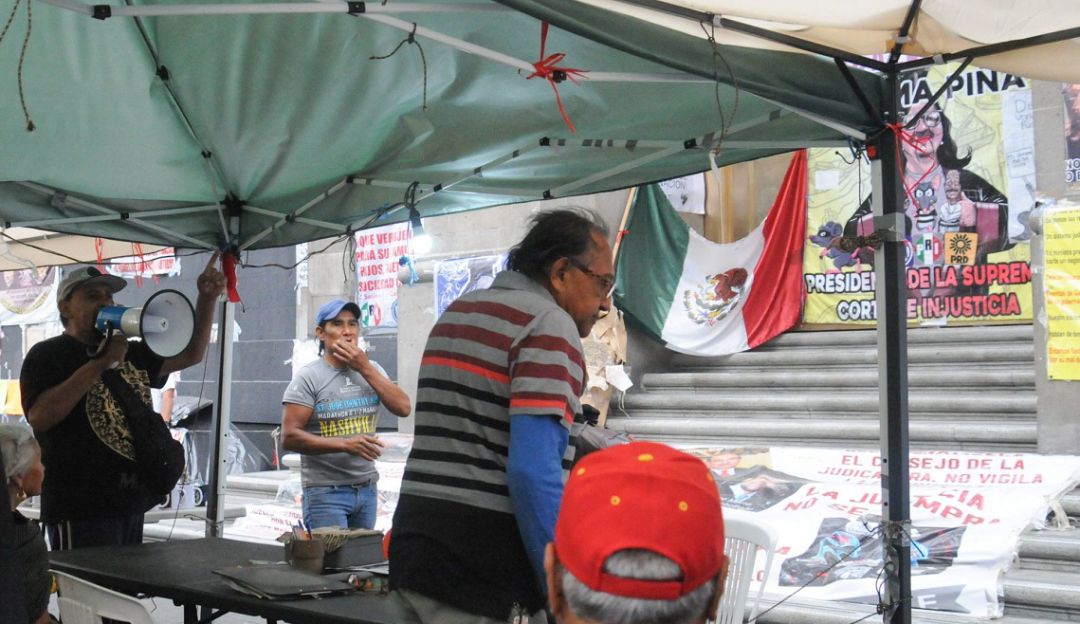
211,282
349,354
367,446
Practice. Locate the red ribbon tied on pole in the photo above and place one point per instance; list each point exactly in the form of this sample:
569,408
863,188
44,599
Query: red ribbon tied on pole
548,68
919,143
228,267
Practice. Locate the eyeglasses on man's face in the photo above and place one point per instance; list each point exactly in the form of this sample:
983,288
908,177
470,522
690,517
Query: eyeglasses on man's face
606,282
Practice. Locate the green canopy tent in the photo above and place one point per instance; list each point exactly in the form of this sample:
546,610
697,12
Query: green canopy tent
264,124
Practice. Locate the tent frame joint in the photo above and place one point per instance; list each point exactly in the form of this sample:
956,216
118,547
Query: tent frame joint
234,206
891,226
356,8
101,12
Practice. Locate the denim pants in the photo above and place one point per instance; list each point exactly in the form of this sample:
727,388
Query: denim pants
343,506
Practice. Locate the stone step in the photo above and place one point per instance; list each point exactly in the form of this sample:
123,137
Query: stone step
1071,503
919,335
1051,595
260,485
990,376
869,412
800,610
1051,550
964,355
827,403
857,433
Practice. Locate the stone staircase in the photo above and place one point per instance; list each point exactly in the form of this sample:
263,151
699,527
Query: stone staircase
971,388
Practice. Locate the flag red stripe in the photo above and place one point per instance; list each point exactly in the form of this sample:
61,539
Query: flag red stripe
776,298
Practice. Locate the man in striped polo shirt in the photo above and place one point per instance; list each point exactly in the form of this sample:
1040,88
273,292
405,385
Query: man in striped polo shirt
498,390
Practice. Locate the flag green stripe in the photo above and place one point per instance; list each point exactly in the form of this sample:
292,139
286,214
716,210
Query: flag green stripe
650,260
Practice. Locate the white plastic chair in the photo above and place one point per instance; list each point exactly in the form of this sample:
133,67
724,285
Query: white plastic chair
742,539
82,602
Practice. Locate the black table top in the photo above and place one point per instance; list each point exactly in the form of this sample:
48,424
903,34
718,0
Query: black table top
182,571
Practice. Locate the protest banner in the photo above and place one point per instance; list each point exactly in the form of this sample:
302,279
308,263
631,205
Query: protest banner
967,513
968,175
378,252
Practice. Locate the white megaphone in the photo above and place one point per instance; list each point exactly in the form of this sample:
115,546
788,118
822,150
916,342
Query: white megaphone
166,323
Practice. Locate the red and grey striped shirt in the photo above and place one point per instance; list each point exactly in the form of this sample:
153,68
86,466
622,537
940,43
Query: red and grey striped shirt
494,353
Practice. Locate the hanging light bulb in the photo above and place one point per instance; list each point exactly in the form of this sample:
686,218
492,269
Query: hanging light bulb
421,242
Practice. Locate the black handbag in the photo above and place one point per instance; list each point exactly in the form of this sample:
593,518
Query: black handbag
159,459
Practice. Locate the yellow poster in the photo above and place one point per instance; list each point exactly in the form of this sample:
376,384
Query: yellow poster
969,174
1061,228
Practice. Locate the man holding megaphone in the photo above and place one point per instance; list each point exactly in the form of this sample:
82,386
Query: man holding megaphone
92,495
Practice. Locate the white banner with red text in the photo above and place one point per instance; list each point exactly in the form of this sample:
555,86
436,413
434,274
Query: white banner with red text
967,513
378,254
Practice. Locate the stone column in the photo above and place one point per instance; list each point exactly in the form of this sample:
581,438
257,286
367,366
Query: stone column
1058,422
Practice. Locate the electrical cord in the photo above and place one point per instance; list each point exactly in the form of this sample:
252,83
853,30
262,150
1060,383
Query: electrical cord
873,533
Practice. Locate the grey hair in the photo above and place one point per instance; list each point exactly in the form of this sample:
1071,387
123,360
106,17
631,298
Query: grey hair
637,564
564,233
18,449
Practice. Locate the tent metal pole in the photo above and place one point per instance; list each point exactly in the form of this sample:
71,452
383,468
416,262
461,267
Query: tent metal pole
992,49
172,233
891,301
286,218
516,63
905,32
479,171
849,77
705,141
374,12
215,497
795,42
241,8
106,214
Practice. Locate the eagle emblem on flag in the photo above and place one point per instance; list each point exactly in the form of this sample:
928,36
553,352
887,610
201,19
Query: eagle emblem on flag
710,302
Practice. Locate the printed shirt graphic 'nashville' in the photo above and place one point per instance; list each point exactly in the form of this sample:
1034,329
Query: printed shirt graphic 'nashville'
354,412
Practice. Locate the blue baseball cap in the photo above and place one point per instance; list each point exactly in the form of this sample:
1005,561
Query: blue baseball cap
331,309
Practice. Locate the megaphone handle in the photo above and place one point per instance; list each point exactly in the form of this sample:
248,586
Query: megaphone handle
96,353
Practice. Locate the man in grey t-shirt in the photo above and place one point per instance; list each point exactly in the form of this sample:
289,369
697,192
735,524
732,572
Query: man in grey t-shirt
330,410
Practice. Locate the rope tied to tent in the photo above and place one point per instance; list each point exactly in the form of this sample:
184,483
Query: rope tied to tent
548,68
410,39
22,55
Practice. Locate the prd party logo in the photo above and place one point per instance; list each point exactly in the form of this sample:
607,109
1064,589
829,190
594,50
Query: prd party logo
960,247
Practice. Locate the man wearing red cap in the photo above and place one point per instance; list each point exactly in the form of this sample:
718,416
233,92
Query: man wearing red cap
640,539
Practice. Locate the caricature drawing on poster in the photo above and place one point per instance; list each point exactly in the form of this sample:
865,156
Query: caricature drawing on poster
967,166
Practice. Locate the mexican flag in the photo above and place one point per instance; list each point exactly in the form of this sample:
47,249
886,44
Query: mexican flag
706,298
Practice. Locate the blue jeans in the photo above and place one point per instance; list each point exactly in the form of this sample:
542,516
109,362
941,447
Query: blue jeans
344,506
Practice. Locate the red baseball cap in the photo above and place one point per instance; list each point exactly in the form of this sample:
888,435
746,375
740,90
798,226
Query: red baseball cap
645,496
